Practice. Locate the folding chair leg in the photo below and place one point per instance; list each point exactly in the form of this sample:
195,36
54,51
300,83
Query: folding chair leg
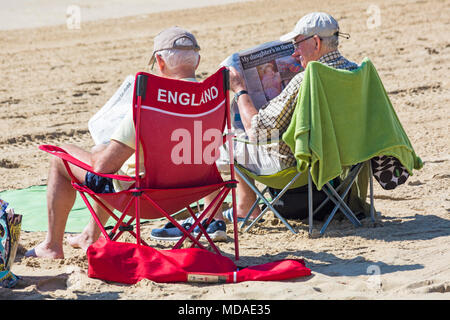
372,208
253,187
203,231
268,204
171,219
259,195
348,182
334,196
330,217
138,219
346,190
235,227
94,216
352,175
252,208
310,203
333,212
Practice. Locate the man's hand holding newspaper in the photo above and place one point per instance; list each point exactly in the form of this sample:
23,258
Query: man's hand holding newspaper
263,71
237,82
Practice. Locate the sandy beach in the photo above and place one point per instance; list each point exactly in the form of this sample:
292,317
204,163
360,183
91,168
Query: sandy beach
54,79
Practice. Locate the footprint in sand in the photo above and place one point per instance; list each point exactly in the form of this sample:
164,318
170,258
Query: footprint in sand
5,163
53,283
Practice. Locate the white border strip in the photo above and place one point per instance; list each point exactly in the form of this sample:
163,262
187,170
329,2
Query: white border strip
184,115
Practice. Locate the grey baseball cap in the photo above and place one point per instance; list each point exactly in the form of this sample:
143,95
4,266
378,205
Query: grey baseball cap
319,23
168,38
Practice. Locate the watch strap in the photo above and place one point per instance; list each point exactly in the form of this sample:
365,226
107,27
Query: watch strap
238,94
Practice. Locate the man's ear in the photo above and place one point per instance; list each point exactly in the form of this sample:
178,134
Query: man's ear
198,62
160,62
318,42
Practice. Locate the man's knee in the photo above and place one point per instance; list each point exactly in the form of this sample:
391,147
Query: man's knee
56,163
57,166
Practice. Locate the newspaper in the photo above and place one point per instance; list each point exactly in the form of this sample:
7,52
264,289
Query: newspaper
105,121
266,69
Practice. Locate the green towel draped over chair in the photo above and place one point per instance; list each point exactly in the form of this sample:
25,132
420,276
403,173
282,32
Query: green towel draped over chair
343,118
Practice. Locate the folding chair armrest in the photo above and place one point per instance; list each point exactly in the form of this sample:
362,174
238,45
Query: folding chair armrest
63,155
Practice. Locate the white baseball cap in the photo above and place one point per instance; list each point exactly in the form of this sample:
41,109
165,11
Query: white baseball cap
319,23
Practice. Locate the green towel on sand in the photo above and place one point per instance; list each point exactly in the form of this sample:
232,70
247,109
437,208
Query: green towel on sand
343,118
31,203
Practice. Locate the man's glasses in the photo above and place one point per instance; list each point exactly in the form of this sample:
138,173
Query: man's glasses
296,44
338,33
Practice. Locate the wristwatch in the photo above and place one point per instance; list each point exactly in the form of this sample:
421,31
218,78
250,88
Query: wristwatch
238,94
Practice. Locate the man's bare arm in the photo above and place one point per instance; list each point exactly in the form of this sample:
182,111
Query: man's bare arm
110,158
246,107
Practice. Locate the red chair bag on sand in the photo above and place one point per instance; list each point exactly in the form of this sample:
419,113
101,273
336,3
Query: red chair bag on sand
130,263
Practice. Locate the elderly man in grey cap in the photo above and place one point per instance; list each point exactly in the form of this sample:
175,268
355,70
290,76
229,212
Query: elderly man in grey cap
176,56
315,38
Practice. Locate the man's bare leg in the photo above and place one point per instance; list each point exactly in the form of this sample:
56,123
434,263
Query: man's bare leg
245,199
91,232
60,199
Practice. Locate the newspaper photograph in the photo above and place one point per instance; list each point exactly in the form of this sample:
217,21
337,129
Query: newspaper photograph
266,69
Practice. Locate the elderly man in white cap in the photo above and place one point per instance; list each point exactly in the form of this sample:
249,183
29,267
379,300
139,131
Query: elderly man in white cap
176,55
315,38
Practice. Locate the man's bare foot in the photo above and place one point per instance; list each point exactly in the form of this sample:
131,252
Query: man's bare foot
242,212
80,241
44,250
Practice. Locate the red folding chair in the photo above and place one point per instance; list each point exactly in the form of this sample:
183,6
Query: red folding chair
180,125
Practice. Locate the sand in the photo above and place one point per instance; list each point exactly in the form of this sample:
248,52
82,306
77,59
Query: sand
54,79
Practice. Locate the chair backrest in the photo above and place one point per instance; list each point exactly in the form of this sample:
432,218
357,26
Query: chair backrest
180,125
343,118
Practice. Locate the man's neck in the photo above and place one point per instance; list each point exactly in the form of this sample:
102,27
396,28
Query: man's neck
328,51
180,75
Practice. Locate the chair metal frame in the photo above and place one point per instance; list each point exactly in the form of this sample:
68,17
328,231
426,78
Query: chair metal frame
336,195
